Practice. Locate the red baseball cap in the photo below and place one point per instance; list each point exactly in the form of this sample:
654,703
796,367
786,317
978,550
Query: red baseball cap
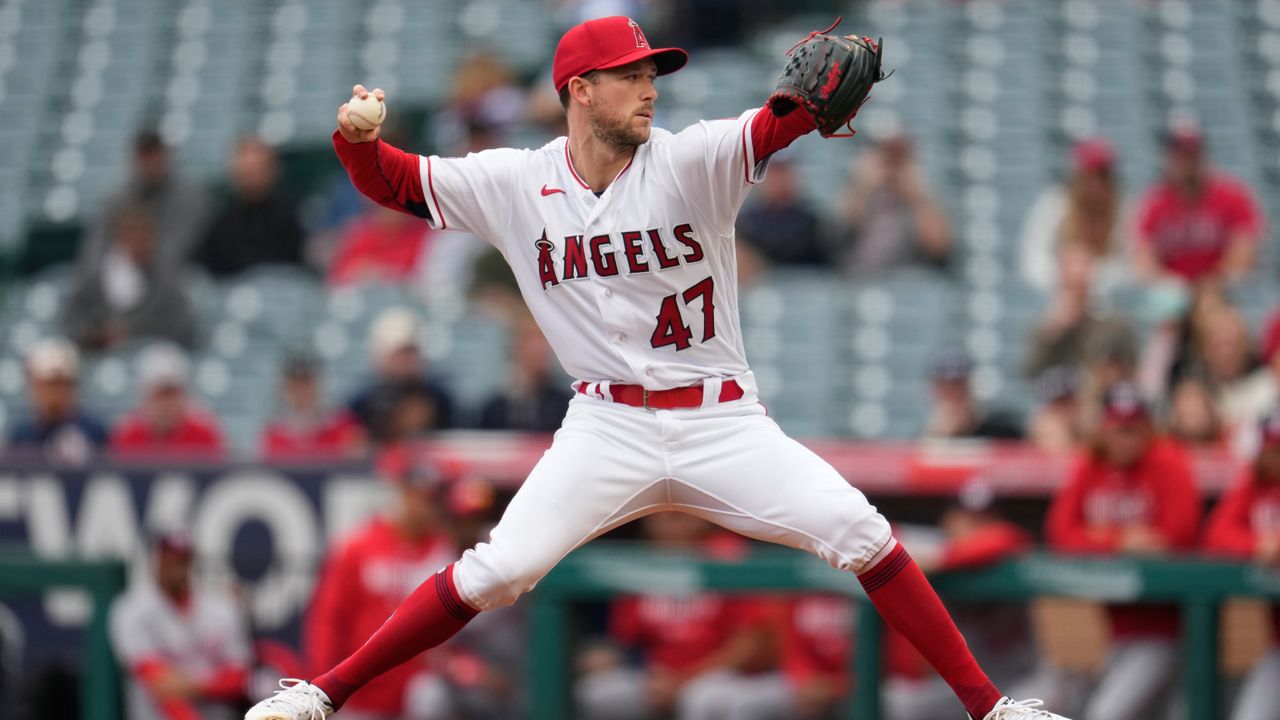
609,42
1122,404
1093,155
1184,136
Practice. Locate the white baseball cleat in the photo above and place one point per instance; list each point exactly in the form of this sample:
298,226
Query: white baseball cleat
1010,709
299,700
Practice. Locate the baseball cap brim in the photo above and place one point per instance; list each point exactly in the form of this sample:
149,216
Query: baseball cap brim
667,60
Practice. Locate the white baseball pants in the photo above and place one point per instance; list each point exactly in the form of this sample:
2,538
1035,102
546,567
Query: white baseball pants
1259,697
611,463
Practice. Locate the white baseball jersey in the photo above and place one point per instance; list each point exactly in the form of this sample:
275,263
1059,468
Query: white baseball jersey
198,640
638,285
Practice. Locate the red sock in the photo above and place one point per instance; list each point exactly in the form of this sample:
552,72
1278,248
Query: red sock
428,617
908,603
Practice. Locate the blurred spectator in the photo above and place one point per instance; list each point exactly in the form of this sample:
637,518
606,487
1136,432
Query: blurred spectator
780,223
704,655
185,649
1251,398
256,224
1196,224
493,286
1111,356
483,108
894,219
956,413
1170,310
817,637
380,245
304,429
1084,215
483,665
369,573
167,423
131,289
1056,425
1245,525
56,430
973,536
1070,323
1193,417
1224,356
447,268
401,401
327,213
178,210
1131,493
535,399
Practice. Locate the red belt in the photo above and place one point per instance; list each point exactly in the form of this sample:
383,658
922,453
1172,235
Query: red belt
673,399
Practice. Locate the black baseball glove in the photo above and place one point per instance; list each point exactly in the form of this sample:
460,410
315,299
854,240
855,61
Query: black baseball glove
830,76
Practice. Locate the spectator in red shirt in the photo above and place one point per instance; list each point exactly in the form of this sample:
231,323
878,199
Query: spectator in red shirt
304,430
1196,224
1130,493
366,577
1246,526
704,655
817,638
167,424
380,245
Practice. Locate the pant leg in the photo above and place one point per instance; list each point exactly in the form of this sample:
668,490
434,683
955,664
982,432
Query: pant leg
734,466
922,699
1136,680
603,468
1259,697
618,694
762,697
731,695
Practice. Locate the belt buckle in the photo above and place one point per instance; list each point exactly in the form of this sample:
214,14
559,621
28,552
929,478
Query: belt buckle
644,396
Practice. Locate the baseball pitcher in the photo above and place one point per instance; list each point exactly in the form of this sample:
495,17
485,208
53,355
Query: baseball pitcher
621,236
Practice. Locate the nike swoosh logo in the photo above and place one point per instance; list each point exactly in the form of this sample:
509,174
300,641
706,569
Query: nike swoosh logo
550,191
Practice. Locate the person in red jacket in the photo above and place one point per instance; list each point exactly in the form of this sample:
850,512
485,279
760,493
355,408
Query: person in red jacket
366,577
379,246
304,430
703,655
1130,493
166,424
1196,225
1246,526
817,637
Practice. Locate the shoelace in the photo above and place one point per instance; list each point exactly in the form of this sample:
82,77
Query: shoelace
1028,704
814,34
300,702
875,48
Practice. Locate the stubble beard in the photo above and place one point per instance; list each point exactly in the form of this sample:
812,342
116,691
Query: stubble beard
617,133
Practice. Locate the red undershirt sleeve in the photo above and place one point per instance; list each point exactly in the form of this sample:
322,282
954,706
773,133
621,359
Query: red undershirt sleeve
385,174
149,672
770,133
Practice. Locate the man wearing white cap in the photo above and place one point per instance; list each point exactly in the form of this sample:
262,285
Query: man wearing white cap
56,430
402,399
166,423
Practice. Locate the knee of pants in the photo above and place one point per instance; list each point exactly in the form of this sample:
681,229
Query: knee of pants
857,542
490,577
706,696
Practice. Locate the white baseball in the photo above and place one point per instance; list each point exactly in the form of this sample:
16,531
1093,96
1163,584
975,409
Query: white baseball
366,114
